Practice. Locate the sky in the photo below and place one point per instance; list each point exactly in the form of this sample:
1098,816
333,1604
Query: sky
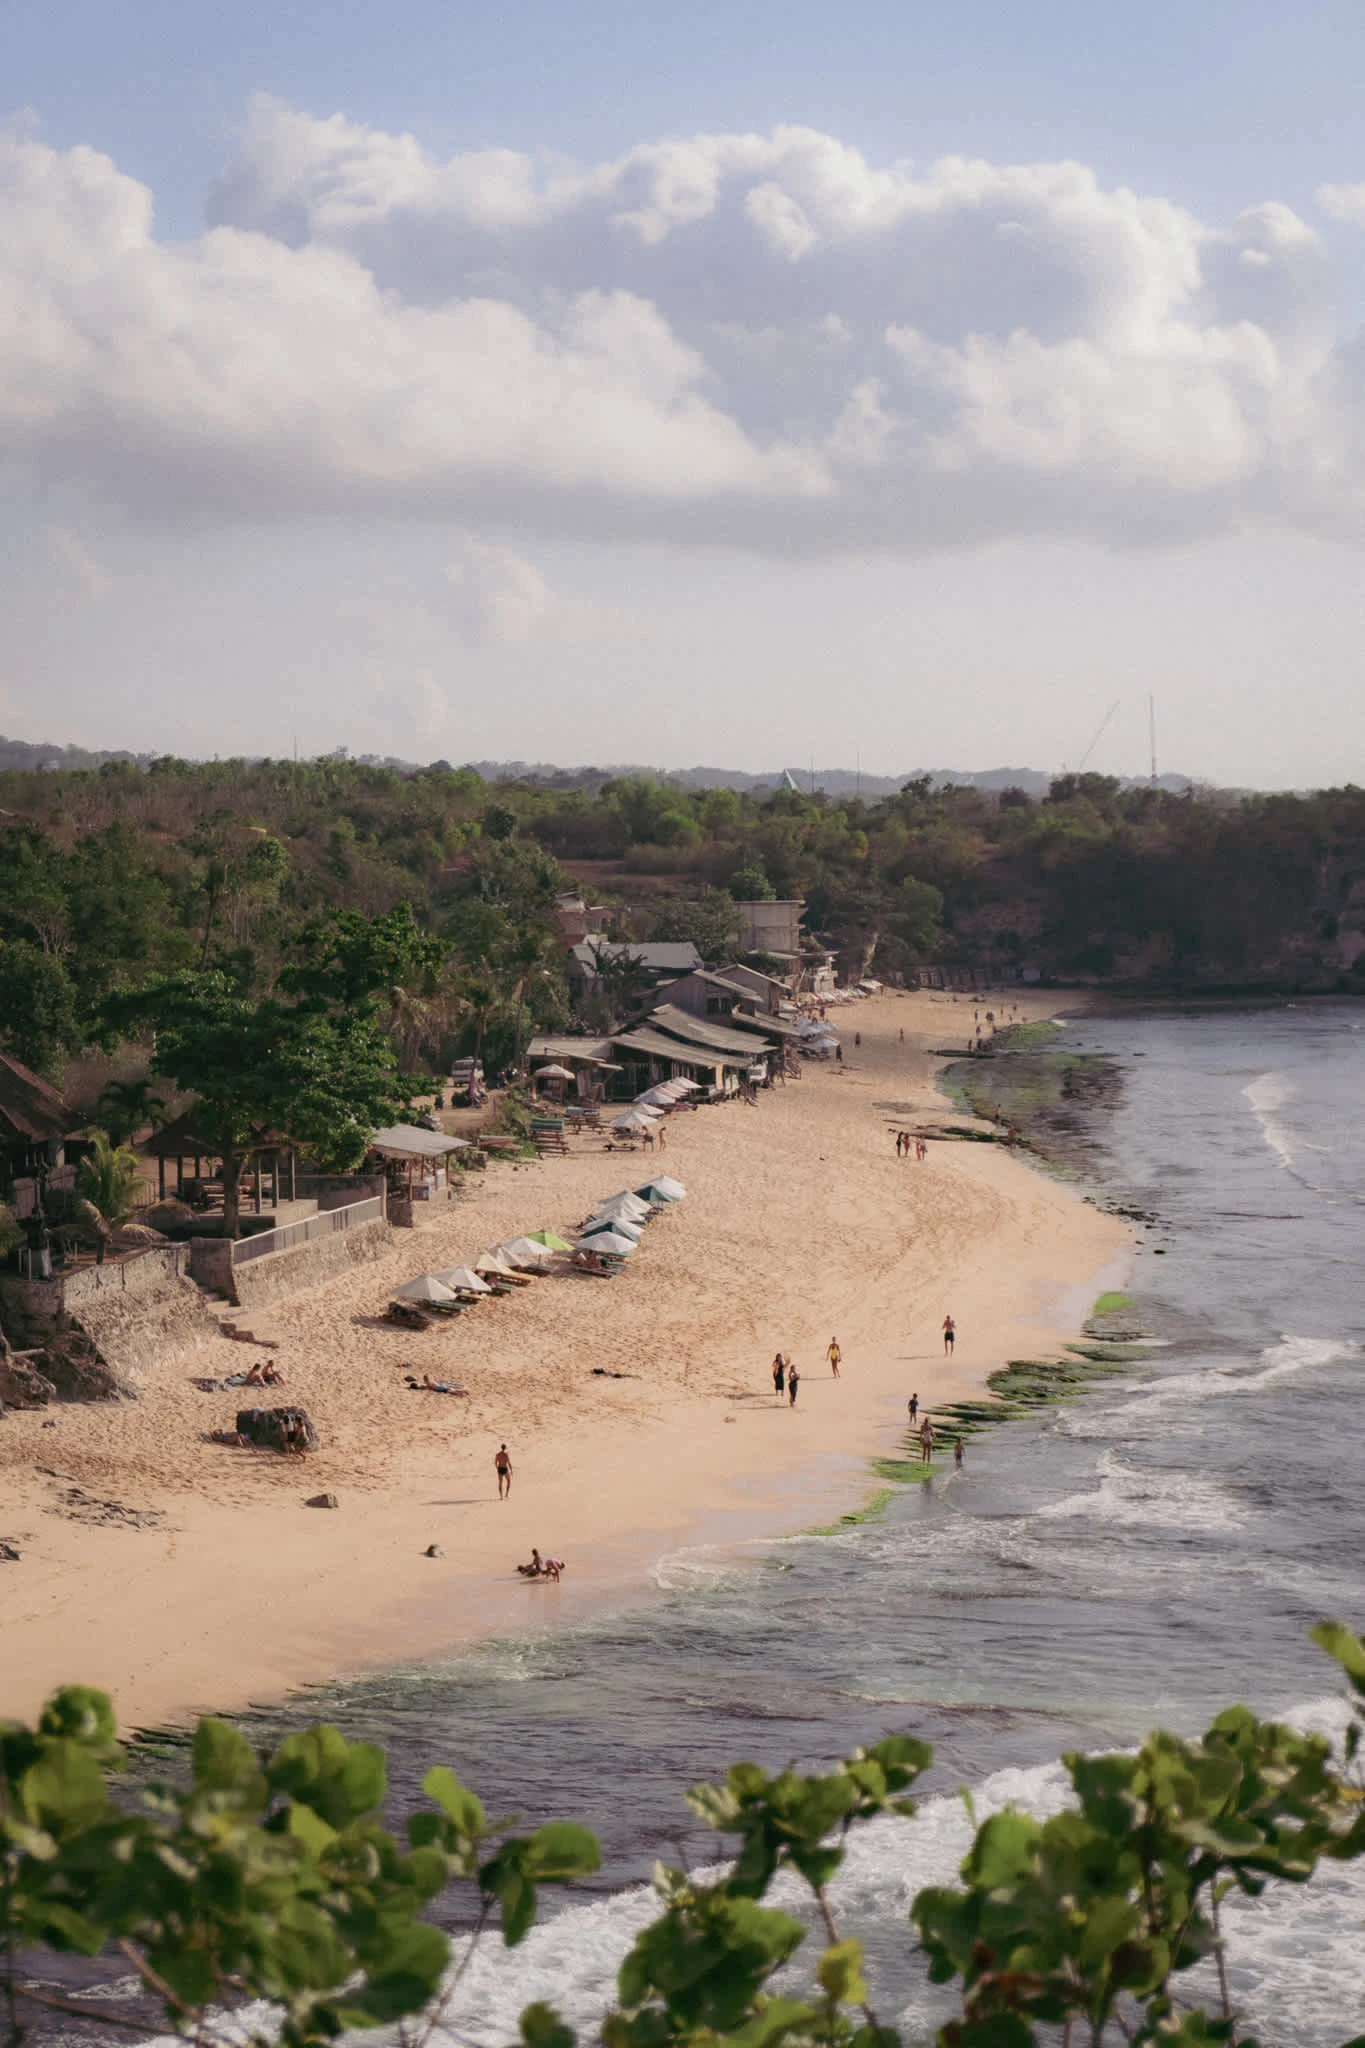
926,385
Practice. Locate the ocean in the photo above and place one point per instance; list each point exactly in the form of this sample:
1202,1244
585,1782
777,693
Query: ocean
1145,1554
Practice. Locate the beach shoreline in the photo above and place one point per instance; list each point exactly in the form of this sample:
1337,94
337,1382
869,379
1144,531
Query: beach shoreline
801,1222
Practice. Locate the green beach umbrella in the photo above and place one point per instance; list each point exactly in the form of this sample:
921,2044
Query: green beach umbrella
549,1240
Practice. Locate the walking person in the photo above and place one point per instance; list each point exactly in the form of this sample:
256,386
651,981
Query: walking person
926,1441
502,1465
834,1354
779,1375
949,1336
913,1405
957,1454
793,1382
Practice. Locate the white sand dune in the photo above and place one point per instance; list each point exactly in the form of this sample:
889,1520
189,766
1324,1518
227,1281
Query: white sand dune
800,1223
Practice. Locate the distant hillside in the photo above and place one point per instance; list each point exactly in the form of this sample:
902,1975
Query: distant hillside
834,782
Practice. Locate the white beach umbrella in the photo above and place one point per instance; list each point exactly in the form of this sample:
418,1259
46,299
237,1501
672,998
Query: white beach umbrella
664,1189
608,1244
660,1097
634,1120
683,1085
524,1251
425,1288
491,1262
463,1279
625,1203
553,1073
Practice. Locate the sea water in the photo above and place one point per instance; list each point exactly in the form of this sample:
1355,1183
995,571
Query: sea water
1143,1555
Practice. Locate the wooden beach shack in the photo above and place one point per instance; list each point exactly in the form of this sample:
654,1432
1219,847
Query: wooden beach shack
416,1164
273,1157
35,1126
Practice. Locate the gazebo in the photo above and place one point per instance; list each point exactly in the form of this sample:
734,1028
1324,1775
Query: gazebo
270,1151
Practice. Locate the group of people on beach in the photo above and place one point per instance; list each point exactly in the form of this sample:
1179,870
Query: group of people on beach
539,1567
787,1375
910,1145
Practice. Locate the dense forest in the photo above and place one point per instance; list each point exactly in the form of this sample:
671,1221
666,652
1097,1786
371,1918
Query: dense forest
130,870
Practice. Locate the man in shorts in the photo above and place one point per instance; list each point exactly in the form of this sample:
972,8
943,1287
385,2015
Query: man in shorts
502,1465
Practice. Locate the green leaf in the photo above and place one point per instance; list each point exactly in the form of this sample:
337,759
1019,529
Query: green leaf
840,1973
310,1828
1347,1648
1003,1851
454,1799
80,1713
66,1784
562,1850
541,2027
224,1760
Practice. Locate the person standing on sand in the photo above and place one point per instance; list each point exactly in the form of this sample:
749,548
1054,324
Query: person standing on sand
913,1405
902,1034
949,1336
926,1441
502,1465
793,1382
834,1354
779,1375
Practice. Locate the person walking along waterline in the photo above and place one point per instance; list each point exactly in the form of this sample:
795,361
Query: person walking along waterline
949,1336
926,1441
913,1405
502,1465
834,1354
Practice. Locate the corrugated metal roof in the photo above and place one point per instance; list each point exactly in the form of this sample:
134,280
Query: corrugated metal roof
660,1047
593,1049
701,1030
659,956
776,1027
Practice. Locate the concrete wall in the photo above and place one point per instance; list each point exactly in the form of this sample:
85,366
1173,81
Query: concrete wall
308,1265
338,1190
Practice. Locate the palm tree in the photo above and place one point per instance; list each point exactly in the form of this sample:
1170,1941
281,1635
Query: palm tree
109,1178
126,1106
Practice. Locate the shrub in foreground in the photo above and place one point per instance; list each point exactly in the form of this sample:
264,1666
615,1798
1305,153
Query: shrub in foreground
272,1878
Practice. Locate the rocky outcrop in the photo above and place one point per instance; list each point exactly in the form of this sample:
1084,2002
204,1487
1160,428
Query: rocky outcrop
71,1362
22,1385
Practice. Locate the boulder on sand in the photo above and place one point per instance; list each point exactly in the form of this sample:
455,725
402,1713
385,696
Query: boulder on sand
277,1429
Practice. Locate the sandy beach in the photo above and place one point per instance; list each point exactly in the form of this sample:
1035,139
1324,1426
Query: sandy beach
185,1576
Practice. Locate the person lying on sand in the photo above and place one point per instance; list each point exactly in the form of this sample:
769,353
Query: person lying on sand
427,1385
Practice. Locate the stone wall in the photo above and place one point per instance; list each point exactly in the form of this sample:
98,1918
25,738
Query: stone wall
134,1311
277,1274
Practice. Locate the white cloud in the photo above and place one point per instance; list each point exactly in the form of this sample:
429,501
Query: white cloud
499,598
763,340
70,553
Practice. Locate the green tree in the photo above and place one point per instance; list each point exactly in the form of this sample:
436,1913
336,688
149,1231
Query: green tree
709,922
259,1068
37,1006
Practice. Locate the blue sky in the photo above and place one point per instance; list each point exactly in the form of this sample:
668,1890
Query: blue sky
416,427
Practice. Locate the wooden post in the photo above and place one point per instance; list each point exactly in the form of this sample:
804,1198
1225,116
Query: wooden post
161,1176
